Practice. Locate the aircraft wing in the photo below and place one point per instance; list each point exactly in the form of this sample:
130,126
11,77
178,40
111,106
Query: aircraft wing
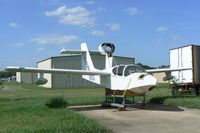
56,71
64,51
166,70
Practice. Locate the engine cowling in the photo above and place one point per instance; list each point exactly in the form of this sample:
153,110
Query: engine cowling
107,48
41,81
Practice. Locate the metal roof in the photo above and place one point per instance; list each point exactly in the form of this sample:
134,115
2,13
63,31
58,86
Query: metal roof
185,46
76,55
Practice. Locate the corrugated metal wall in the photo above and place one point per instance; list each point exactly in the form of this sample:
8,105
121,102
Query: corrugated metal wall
26,77
74,62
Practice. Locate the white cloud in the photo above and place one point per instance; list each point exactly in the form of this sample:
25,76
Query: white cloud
17,45
54,39
40,49
113,26
133,11
97,33
73,16
60,11
13,25
90,2
162,28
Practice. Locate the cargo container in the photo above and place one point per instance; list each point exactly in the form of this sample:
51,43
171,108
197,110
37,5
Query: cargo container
186,80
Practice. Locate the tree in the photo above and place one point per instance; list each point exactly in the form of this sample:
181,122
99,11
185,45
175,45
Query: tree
145,66
6,74
149,67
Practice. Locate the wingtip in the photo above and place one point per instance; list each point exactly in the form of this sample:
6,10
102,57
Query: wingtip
62,51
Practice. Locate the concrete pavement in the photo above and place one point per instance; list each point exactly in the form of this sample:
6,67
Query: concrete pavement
153,119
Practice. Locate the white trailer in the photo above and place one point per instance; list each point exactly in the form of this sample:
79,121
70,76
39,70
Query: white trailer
186,57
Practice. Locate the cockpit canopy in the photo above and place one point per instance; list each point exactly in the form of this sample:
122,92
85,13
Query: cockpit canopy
125,70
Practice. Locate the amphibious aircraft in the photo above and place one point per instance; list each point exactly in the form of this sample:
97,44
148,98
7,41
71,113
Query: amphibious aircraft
131,77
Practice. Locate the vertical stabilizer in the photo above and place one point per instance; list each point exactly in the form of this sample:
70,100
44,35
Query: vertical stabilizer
86,60
87,64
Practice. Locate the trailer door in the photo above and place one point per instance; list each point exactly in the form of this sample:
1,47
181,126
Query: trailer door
182,58
187,75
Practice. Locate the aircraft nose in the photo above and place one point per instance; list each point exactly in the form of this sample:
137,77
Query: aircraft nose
151,80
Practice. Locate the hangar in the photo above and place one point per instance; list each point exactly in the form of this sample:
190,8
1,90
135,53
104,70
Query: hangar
24,77
69,62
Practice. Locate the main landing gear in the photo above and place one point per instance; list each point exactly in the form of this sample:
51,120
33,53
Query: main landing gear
116,98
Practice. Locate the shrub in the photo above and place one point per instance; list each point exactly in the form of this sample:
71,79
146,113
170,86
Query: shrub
159,100
56,102
1,83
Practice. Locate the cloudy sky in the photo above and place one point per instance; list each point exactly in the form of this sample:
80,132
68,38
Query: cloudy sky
31,30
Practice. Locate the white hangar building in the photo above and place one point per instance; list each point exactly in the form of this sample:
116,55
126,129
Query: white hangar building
69,62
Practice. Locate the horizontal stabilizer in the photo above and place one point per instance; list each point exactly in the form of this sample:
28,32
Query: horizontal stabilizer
63,51
56,71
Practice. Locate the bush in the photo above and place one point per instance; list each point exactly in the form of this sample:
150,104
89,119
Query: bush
57,102
158,100
1,83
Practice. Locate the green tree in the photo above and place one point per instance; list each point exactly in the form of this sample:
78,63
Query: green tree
6,74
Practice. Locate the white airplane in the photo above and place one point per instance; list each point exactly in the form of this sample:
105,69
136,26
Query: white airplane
131,77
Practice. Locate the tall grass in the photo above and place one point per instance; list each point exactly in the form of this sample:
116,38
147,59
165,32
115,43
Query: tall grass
32,116
23,110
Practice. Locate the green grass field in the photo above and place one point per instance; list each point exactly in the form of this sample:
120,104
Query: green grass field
22,108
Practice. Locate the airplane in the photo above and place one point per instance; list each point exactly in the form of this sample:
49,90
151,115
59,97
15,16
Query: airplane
129,77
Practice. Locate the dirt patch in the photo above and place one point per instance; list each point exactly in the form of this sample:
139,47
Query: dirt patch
153,119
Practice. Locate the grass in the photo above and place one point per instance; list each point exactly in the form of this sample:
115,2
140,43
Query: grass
73,96
22,110
188,101
1,83
31,115
164,96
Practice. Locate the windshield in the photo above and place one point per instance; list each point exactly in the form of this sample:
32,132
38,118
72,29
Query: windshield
132,69
118,70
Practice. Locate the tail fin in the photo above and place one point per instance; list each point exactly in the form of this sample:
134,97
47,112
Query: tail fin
86,60
87,64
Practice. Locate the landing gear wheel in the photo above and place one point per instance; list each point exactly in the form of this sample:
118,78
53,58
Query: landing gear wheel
121,108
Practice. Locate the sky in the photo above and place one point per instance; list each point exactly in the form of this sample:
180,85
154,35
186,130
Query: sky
32,30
